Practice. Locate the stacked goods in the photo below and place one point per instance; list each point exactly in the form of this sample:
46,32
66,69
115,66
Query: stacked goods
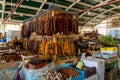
51,22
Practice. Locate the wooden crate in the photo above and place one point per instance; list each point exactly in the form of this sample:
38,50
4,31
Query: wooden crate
63,61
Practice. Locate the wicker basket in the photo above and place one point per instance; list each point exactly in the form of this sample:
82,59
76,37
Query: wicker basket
9,65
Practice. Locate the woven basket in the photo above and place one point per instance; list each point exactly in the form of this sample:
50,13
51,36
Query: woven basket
9,65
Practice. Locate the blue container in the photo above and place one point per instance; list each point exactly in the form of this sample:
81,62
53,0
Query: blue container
81,75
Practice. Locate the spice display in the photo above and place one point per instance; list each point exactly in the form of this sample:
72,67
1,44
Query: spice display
69,72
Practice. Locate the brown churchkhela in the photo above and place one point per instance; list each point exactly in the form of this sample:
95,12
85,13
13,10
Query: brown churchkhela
49,23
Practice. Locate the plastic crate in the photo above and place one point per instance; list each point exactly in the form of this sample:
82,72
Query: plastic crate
62,66
81,76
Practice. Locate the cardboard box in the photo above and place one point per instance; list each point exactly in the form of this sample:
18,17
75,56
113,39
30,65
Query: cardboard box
112,75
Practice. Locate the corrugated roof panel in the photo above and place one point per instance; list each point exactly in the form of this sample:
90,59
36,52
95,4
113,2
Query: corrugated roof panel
25,10
96,11
109,13
92,2
73,11
62,2
0,6
83,19
117,4
5,15
8,8
28,3
79,6
32,3
116,10
45,6
12,1
89,15
107,7
0,15
17,17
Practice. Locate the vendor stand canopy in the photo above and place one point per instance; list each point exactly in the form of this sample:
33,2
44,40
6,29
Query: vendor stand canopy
89,12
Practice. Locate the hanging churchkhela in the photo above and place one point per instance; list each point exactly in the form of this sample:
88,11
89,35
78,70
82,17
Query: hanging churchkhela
51,22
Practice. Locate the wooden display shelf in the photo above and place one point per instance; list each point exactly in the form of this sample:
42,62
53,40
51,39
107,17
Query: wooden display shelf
63,61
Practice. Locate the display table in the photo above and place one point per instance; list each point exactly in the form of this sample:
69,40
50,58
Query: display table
111,62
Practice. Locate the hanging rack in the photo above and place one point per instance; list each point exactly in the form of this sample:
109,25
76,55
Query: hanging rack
64,36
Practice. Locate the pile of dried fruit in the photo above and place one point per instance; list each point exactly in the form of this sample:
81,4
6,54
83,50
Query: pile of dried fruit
69,72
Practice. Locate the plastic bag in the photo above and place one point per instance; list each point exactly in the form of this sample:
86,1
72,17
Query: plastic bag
8,74
36,74
1,78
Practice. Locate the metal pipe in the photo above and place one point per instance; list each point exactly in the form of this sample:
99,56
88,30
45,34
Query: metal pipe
88,9
14,9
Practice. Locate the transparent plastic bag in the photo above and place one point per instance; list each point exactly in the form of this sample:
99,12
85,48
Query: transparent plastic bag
36,74
8,74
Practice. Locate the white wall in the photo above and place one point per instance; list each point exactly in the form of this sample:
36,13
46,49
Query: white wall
107,25
10,26
101,28
85,28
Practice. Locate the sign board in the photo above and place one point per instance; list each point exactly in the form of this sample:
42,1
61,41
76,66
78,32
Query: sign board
110,50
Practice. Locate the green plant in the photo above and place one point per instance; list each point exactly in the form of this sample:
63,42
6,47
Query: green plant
107,40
